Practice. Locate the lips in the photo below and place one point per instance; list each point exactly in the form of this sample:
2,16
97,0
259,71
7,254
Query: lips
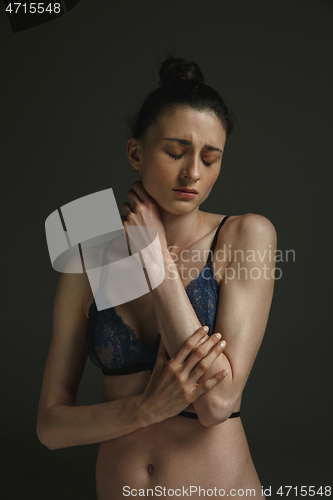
185,193
186,190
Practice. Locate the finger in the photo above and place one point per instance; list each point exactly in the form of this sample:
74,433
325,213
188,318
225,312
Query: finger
201,351
133,197
190,344
126,208
210,383
205,363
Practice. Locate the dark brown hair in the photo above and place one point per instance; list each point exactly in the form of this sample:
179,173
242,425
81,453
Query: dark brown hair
181,85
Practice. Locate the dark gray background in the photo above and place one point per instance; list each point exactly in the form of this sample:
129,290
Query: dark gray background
66,87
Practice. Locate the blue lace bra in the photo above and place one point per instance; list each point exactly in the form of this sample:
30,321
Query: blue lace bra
112,344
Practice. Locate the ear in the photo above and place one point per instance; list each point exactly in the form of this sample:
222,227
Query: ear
134,151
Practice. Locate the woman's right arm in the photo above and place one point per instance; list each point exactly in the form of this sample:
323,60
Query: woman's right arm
171,388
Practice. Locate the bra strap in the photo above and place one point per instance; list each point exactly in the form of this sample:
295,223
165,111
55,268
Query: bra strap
212,248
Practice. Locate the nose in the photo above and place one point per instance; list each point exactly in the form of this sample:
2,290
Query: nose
191,170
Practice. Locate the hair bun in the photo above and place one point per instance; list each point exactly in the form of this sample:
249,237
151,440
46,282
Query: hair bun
175,70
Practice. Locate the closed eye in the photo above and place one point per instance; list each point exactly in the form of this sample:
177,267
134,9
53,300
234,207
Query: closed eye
178,157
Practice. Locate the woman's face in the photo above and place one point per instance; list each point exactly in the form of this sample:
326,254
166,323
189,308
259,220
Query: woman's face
183,150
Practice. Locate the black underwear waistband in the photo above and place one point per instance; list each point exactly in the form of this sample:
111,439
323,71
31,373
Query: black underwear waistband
189,414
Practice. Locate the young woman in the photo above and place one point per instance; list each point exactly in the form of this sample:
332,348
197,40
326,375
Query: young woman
169,424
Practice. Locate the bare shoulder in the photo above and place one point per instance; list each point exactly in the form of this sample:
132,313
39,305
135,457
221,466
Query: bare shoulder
248,230
73,292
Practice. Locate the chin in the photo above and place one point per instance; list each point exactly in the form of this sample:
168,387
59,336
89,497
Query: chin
181,209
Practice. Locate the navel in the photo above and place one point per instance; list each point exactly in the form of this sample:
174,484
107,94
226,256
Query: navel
150,469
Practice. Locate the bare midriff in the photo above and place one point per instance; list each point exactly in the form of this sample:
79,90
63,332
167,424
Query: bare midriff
174,454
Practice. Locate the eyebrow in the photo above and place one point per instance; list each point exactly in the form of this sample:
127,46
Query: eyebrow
185,142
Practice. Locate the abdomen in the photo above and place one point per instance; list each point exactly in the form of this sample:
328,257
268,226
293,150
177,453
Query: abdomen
175,454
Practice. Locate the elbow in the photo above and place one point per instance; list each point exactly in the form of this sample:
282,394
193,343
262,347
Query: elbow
48,429
44,437
41,436
214,412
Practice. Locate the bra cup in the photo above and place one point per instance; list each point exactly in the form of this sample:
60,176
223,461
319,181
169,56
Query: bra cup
112,344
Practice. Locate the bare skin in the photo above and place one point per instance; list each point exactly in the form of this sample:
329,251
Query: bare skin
143,442
154,456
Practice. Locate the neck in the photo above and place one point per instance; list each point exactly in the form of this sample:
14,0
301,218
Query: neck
181,230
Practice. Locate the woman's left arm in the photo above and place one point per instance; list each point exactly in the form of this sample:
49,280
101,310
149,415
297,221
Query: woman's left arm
242,310
245,298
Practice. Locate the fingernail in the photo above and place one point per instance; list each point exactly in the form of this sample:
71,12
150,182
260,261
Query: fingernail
222,344
225,373
206,328
218,335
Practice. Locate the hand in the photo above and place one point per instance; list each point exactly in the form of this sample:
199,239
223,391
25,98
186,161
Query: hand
173,384
143,211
